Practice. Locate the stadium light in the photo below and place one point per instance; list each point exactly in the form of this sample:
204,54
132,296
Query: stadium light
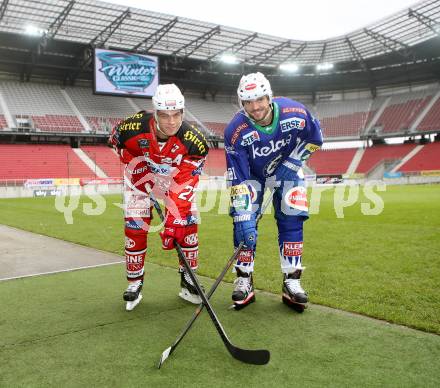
324,66
289,67
34,31
229,59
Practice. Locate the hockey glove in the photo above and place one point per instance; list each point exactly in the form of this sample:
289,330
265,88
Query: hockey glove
288,170
172,234
245,229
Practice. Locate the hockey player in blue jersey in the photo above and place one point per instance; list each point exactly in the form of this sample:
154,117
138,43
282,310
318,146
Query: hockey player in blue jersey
266,144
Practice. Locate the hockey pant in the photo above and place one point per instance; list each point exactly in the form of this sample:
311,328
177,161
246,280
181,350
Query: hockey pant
138,215
291,210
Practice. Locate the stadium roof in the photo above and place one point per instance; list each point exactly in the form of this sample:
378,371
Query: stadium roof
101,24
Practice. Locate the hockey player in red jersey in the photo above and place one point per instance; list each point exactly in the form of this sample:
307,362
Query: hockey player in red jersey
164,155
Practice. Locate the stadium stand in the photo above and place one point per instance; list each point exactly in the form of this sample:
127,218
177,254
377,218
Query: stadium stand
427,159
402,110
331,162
43,104
215,162
105,158
346,118
431,122
214,115
101,112
57,123
375,155
21,161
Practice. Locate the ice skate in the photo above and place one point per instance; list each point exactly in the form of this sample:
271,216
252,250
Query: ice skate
243,293
188,291
293,294
132,294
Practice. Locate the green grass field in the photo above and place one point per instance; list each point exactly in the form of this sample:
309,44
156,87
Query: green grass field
384,266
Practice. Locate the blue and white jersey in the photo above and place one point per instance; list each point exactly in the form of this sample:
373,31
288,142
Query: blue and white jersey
253,151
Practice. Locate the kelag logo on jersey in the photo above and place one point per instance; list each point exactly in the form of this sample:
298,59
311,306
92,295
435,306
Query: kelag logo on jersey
292,123
271,148
250,138
127,72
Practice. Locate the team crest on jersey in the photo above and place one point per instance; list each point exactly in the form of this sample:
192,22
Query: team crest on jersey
270,167
292,123
250,138
143,143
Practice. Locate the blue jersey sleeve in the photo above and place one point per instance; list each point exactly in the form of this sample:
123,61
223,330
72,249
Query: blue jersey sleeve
238,171
237,162
309,139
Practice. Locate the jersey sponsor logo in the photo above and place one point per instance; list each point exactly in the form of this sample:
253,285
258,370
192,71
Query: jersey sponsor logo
241,202
296,198
242,217
175,148
129,243
230,150
246,256
292,123
237,132
143,143
292,109
193,138
135,225
312,147
190,220
191,255
250,138
292,248
130,126
198,170
272,148
137,170
191,239
270,167
134,259
250,86
156,168
239,189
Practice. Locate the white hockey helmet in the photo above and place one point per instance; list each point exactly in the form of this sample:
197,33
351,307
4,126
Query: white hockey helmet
168,97
253,86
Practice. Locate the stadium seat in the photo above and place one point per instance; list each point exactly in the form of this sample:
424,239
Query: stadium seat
23,161
375,155
427,159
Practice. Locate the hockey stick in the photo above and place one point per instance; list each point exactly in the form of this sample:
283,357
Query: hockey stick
168,351
256,357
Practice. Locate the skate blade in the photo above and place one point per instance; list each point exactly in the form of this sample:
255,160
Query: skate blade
298,307
131,305
239,306
191,298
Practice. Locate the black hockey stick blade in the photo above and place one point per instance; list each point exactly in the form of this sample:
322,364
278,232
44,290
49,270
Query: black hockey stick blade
255,357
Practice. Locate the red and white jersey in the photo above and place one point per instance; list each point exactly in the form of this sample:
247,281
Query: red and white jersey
170,169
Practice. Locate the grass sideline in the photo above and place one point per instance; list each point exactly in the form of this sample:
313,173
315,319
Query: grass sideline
384,266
